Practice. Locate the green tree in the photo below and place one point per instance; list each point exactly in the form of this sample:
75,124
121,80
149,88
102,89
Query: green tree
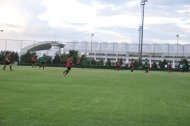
93,62
120,60
154,66
139,63
63,58
100,63
108,63
184,60
48,59
74,55
26,58
2,57
57,59
85,60
82,58
14,56
162,64
135,64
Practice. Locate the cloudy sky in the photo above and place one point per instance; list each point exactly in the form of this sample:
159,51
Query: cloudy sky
108,20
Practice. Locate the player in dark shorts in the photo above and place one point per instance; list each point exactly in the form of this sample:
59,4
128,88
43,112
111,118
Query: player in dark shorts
8,62
169,67
184,67
68,65
42,61
83,64
146,66
33,61
132,66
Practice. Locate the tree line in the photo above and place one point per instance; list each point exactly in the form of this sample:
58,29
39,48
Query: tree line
82,60
14,56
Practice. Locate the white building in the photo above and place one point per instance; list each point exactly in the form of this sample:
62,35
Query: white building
104,51
153,52
48,48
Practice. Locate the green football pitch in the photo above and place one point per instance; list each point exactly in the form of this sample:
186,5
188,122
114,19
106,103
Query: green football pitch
93,97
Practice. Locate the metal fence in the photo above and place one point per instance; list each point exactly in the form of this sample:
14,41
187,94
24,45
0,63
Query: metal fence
123,48
106,48
14,45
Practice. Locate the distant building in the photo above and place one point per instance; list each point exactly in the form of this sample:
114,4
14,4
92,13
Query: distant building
153,52
112,51
48,48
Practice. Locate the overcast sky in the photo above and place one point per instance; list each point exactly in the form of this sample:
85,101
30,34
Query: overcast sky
108,20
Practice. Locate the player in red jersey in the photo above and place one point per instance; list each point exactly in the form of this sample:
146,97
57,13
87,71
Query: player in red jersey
169,67
117,66
33,61
68,65
8,62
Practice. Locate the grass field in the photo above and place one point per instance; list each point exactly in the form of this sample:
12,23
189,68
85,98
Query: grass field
91,97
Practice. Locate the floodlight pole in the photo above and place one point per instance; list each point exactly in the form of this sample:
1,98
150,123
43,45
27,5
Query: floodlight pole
6,45
177,48
5,41
20,49
139,44
142,28
91,48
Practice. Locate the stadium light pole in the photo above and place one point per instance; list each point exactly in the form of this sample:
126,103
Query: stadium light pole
142,28
139,43
91,48
1,30
5,42
177,48
6,45
20,50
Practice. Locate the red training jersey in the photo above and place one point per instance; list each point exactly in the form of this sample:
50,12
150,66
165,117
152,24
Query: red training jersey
68,62
117,64
169,66
78,62
34,59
